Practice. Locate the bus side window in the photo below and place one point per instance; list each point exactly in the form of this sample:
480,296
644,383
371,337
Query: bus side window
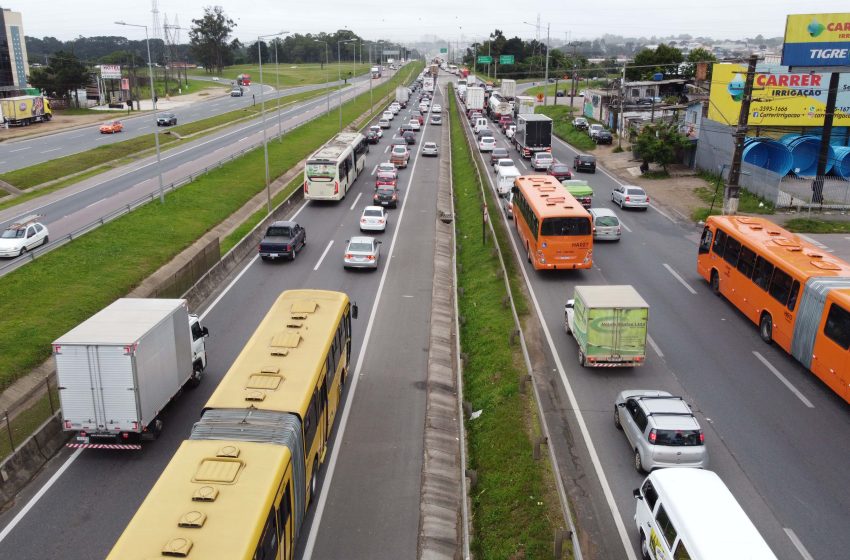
792,301
705,242
267,547
733,249
762,273
719,243
780,286
837,326
746,262
283,515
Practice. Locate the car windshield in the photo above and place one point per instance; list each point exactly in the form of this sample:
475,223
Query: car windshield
430,145
278,231
13,233
587,159
683,438
565,226
607,221
372,213
365,247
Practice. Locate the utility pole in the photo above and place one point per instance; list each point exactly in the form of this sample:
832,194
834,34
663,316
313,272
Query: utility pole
621,120
732,193
546,76
823,155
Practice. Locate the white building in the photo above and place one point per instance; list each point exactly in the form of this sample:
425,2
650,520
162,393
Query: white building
14,67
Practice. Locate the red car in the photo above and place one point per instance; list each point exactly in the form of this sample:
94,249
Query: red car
560,171
505,121
385,179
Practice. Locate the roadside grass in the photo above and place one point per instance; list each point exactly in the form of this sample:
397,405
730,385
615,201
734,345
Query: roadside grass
242,230
813,225
563,85
713,196
288,74
562,127
660,174
515,511
83,112
82,277
119,153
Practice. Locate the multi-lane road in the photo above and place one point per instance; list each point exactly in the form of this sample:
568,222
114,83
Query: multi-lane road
775,434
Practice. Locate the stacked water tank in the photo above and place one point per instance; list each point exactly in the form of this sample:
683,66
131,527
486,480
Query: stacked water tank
798,153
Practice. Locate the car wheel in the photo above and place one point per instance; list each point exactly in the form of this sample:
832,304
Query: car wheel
644,549
527,251
617,418
294,251
638,462
582,360
22,251
766,328
567,325
46,239
314,479
715,283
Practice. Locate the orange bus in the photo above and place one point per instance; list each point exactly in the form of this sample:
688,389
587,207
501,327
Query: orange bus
554,229
798,295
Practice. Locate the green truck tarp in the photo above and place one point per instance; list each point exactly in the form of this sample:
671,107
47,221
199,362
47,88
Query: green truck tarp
610,325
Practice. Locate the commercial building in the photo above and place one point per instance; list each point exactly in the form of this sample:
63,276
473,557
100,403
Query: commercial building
14,67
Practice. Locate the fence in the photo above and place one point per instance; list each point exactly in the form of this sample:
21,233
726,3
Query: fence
20,420
714,154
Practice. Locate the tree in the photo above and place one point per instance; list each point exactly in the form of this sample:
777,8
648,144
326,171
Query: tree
208,39
664,59
64,74
695,56
659,143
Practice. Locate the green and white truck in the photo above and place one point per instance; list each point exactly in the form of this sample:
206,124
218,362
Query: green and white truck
609,324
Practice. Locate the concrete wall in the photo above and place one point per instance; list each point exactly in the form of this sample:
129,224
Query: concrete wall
17,469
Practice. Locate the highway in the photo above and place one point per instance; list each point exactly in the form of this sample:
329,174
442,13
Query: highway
775,433
16,154
372,506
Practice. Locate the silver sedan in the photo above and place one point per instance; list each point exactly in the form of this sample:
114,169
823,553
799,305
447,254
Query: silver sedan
362,252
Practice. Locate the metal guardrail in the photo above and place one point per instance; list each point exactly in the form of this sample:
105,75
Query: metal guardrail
562,495
33,254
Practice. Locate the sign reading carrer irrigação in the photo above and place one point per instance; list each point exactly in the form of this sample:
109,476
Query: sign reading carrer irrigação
817,40
780,97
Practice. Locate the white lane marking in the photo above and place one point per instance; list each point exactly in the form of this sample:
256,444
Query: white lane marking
353,204
386,149
374,169
18,150
96,203
679,278
662,212
50,150
625,227
324,254
329,473
244,138
521,162
655,346
21,514
795,540
75,136
782,378
143,128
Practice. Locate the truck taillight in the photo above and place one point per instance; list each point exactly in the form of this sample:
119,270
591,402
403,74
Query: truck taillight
130,349
306,188
135,426
57,348
336,187
67,424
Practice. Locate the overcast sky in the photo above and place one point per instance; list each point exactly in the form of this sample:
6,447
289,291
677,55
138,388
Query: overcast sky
408,21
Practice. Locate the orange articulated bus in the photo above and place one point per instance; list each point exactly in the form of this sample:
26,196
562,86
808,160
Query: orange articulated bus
798,295
555,230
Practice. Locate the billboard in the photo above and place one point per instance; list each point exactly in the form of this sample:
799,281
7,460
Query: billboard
817,40
110,71
780,97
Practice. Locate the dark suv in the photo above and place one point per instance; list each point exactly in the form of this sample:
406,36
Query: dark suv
584,162
282,239
603,137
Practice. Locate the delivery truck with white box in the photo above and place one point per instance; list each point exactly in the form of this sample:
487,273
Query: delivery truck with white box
402,95
508,89
609,324
118,369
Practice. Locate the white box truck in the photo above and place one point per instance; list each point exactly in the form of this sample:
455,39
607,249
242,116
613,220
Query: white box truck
524,105
508,89
118,369
474,100
402,95
609,324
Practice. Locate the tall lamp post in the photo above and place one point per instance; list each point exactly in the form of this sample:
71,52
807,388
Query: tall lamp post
263,115
327,75
546,75
277,93
153,102
339,75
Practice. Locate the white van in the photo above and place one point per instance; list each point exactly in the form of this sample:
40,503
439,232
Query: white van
480,122
690,513
505,177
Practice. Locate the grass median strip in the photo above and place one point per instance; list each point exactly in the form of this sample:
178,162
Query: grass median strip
45,298
562,127
106,157
515,509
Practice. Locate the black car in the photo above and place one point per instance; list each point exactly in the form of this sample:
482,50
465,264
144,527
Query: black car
282,239
584,163
409,137
560,93
386,195
166,119
372,137
604,137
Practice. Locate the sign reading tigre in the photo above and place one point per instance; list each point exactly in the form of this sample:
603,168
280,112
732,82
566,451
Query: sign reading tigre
817,40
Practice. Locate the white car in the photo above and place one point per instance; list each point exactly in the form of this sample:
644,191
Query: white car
510,131
630,196
595,129
606,224
486,144
480,126
541,161
436,109
506,164
423,106
377,130
395,108
374,218
362,252
384,123
388,115
430,149
414,124
22,236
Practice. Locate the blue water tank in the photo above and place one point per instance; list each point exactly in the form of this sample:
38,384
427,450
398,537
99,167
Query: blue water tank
768,154
805,151
842,162
658,76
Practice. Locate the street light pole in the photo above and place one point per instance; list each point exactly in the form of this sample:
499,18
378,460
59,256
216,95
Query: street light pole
327,75
263,116
153,101
339,75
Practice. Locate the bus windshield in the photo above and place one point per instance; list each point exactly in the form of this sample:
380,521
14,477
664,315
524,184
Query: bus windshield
321,171
565,226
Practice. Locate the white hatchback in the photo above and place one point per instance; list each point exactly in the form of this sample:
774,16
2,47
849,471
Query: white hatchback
486,144
436,109
388,115
22,236
377,130
374,218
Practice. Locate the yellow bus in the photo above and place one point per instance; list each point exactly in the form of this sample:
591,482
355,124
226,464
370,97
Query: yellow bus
239,487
